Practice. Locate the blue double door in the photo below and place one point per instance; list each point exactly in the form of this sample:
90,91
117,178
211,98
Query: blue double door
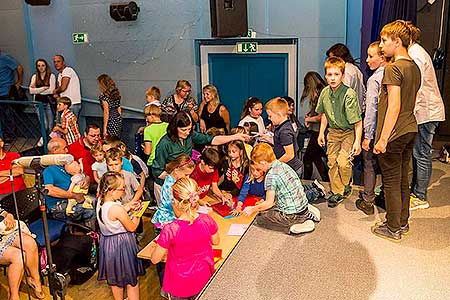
239,76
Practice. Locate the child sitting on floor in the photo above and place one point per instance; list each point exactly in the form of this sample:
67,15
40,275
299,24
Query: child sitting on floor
286,206
78,211
187,242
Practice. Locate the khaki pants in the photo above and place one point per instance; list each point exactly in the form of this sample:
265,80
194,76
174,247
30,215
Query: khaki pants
339,145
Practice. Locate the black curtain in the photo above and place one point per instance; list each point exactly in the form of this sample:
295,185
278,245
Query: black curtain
397,9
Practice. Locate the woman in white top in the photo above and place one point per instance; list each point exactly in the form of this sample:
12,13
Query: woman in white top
41,86
251,113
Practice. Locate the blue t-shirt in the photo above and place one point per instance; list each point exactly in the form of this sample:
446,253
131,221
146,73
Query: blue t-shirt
57,176
8,66
254,188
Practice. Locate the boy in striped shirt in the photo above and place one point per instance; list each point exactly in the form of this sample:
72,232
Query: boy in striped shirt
69,126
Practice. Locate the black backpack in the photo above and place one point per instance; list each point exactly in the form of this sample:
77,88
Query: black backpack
76,254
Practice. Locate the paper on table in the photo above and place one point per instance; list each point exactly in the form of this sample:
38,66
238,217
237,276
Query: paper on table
237,229
203,209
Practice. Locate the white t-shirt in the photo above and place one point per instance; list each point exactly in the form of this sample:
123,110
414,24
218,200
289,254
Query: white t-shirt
429,105
259,122
73,91
100,167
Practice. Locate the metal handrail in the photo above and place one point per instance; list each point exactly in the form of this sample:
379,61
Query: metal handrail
127,108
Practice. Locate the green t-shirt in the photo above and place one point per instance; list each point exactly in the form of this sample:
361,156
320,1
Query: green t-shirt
340,107
153,133
168,150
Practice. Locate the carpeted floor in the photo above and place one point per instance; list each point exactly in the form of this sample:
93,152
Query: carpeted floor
342,259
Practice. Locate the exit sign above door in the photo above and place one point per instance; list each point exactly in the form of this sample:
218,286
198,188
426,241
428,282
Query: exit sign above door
247,47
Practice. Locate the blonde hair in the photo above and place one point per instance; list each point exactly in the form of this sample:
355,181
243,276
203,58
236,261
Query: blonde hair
335,62
185,194
181,162
263,152
278,105
181,84
153,91
97,148
251,178
215,94
376,45
109,181
65,101
153,110
398,29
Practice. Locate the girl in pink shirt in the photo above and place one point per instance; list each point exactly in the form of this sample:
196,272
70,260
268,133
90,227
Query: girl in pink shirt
187,242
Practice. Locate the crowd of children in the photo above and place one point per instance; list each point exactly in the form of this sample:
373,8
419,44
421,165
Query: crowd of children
258,168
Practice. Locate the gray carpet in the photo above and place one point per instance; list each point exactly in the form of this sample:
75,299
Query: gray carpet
342,259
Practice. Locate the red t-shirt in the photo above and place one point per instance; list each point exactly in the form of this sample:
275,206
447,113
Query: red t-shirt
5,164
204,180
79,150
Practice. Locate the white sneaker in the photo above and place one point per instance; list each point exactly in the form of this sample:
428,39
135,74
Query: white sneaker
315,211
304,227
40,143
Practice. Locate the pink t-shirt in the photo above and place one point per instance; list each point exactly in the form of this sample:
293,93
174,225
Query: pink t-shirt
190,258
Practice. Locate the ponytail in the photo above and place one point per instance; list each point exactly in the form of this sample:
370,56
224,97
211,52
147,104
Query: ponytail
185,193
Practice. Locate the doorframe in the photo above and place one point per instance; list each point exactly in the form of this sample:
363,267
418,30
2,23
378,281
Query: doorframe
289,46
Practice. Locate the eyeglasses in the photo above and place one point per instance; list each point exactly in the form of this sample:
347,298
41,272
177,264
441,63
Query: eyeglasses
95,135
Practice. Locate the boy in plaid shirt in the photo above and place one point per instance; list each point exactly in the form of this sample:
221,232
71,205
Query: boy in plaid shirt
286,206
69,126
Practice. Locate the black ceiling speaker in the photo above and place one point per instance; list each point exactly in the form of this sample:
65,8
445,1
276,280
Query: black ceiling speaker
228,18
127,11
38,2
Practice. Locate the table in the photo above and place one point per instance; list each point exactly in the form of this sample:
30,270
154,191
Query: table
227,242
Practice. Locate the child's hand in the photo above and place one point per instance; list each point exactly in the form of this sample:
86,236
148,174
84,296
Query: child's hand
237,211
249,210
356,149
380,147
227,198
366,144
321,140
203,202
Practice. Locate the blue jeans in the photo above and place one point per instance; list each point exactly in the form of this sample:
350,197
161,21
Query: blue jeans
48,117
422,159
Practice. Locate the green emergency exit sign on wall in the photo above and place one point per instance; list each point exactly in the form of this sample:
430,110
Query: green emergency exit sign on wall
247,47
79,37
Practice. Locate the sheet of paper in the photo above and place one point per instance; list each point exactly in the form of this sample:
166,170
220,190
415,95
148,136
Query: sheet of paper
237,229
203,210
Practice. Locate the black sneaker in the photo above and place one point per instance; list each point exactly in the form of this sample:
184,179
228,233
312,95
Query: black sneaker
404,229
365,207
384,232
320,188
347,191
334,200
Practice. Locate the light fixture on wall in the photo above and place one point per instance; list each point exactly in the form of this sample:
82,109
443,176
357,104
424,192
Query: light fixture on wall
126,11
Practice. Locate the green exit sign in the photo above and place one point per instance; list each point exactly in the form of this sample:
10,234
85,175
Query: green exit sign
79,37
247,47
